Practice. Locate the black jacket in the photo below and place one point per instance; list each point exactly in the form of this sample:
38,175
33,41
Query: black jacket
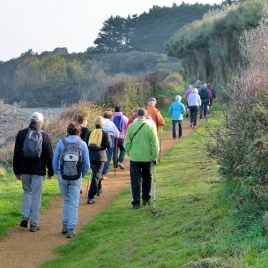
35,166
100,154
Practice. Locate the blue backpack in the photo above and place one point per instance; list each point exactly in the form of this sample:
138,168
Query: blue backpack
203,94
118,122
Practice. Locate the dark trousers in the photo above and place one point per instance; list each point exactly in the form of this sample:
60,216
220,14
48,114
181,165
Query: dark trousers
193,114
95,184
140,173
204,108
174,122
109,153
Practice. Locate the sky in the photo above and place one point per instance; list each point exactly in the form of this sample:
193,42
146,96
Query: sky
43,25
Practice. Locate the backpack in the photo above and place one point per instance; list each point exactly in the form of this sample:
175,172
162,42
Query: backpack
32,145
95,139
118,122
203,94
210,92
71,160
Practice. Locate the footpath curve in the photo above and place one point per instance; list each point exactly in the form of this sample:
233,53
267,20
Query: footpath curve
21,248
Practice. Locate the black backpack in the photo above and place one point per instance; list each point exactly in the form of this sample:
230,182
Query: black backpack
32,145
203,94
71,160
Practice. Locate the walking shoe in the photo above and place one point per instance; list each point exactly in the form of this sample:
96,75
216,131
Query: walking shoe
145,202
99,192
24,222
136,206
121,165
200,116
71,233
64,229
191,125
91,201
104,177
194,126
81,191
34,228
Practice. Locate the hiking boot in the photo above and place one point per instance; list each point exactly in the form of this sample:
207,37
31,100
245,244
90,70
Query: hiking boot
99,192
91,201
71,233
121,165
200,116
24,222
136,206
145,202
34,228
64,229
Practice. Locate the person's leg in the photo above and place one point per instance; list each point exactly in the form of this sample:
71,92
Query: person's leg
74,194
122,150
64,189
37,186
135,179
146,181
27,196
195,110
180,127
174,129
98,172
109,153
94,181
205,108
115,153
191,115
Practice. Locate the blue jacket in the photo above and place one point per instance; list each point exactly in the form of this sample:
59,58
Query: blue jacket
207,94
177,110
58,152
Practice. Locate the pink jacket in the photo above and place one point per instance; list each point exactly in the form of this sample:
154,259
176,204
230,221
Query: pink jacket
124,123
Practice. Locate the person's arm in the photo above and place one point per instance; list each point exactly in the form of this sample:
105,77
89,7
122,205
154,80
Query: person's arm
56,157
48,154
160,120
127,141
85,157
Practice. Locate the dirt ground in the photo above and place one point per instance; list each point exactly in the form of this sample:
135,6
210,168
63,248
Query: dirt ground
21,248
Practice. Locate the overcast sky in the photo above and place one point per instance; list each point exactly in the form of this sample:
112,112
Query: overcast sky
43,25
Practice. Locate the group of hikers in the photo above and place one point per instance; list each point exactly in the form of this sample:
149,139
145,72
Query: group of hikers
198,99
113,136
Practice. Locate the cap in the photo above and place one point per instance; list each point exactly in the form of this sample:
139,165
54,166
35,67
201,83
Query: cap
37,117
152,99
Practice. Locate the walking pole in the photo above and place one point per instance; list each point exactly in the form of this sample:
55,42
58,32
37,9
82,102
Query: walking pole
154,184
116,156
160,144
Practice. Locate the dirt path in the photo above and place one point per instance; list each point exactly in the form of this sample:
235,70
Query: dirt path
21,248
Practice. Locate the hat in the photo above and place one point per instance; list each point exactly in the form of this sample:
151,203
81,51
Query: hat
152,99
178,97
37,117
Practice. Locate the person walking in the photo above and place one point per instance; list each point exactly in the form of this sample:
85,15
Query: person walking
142,147
70,188
98,141
121,122
194,103
155,113
32,171
82,121
204,96
111,128
186,96
212,96
177,111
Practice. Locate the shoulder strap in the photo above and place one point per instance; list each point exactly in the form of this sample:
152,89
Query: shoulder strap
78,142
137,131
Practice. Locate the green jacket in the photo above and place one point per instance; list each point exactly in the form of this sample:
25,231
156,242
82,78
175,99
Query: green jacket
144,146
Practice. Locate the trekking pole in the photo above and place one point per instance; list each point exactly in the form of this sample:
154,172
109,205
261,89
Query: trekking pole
160,144
116,156
154,184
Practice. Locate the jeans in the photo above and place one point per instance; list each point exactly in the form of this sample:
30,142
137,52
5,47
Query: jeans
193,114
109,154
95,185
119,142
174,128
32,186
70,192
140,172
204,108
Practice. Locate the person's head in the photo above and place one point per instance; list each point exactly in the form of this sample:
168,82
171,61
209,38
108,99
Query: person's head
178,97
190,86
82,119
117,109
142,113
99,122
152,101
74,129
108,114
209,84
205,85
195,90
135,110
198,83
37,118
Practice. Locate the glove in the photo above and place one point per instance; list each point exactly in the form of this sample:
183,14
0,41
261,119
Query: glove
154,162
